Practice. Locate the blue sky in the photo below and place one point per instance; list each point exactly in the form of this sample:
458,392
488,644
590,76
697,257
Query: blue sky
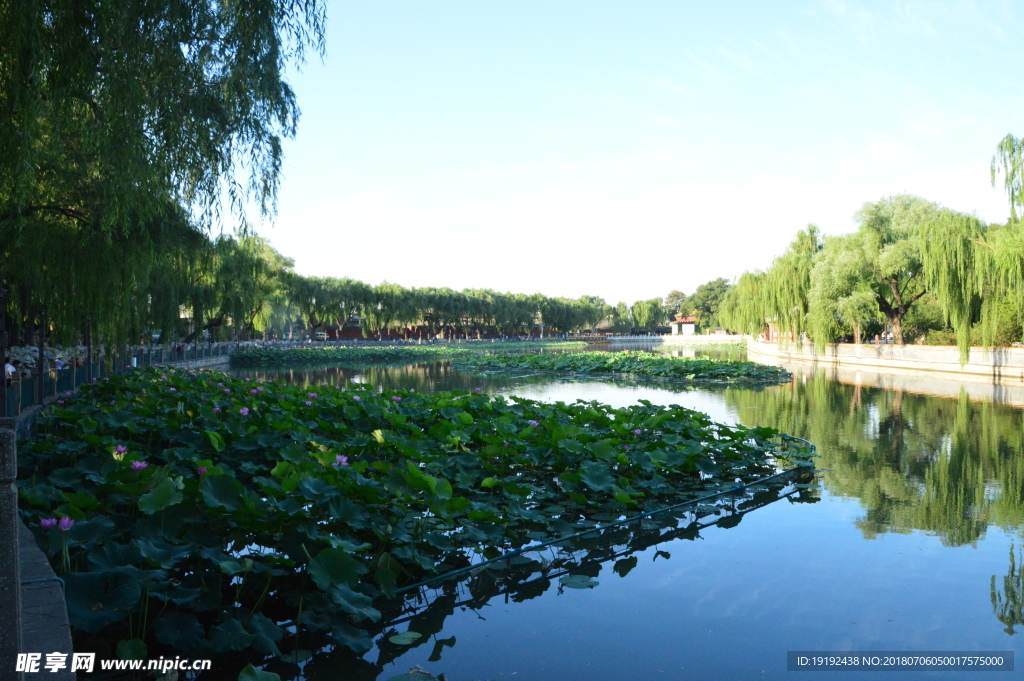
627,149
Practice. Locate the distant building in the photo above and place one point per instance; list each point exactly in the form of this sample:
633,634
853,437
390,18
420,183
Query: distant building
684,326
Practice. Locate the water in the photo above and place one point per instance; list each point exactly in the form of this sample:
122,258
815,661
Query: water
910,545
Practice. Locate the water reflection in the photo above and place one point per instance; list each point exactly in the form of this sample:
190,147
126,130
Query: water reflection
915,462
923,501
573,563
1008,598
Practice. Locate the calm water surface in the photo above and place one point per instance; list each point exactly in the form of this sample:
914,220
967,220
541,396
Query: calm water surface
913,544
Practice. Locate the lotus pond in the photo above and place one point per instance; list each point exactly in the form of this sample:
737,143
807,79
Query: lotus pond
911,543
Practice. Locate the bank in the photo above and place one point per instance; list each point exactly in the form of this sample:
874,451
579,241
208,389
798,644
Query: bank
983,364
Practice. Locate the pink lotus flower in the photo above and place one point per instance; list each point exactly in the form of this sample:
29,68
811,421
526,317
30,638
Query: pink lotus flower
396,398
247,380
227,391
259,389
357,398
340,460
60,401
533,423
637,431
47,523
202,470
120,449
253,391
216,410
625,447
244,411
164,377
478,390
308,403
106,379
138,465
220,385
174,390
66,523
313,395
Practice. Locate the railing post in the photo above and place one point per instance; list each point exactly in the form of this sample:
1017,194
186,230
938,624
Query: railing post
88,349
41,361
10,569
3,346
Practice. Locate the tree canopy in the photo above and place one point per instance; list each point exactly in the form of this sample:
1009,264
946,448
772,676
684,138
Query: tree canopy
130,132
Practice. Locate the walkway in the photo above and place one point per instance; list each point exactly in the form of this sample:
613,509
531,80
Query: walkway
44,616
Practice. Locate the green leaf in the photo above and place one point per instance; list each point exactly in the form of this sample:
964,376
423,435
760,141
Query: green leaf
596,476
465,419
222,491
163,495
250,673
353,602
132,649
98,599
334,566
488,482
161,551
179,630
230,635
65,477
356,639
578,582
216,441
90,531
405,638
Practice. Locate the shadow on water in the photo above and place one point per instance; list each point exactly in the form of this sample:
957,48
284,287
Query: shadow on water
571,563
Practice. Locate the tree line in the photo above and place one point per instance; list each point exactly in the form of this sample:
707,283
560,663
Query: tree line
913,268
132,133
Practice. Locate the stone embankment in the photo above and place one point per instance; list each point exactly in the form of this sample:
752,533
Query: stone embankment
983,364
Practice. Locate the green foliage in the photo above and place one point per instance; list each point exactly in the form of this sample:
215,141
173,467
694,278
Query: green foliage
308,507
706,301
379,355
647,314
641,363
779,295
126,127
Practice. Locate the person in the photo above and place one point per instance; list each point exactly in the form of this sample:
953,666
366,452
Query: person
8,371
59,364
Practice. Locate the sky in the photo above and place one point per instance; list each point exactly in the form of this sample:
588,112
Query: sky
627,149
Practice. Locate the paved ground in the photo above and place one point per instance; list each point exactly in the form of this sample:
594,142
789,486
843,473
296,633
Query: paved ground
44,615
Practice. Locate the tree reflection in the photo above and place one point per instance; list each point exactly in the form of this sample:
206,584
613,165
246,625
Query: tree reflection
1008,601
524,577
915,462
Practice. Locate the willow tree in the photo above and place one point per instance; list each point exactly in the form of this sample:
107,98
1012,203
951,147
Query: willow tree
744,306
114,115
779,295
891,233
841,299
647,314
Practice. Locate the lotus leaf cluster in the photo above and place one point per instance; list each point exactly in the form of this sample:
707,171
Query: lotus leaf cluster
696,369
333,354
216,516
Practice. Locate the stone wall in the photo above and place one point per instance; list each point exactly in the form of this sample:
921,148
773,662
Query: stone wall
1005,364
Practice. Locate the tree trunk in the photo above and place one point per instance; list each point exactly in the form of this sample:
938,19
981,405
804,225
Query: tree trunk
856,334
896,322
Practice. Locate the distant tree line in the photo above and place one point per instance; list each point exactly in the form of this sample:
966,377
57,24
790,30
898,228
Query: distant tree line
913,269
